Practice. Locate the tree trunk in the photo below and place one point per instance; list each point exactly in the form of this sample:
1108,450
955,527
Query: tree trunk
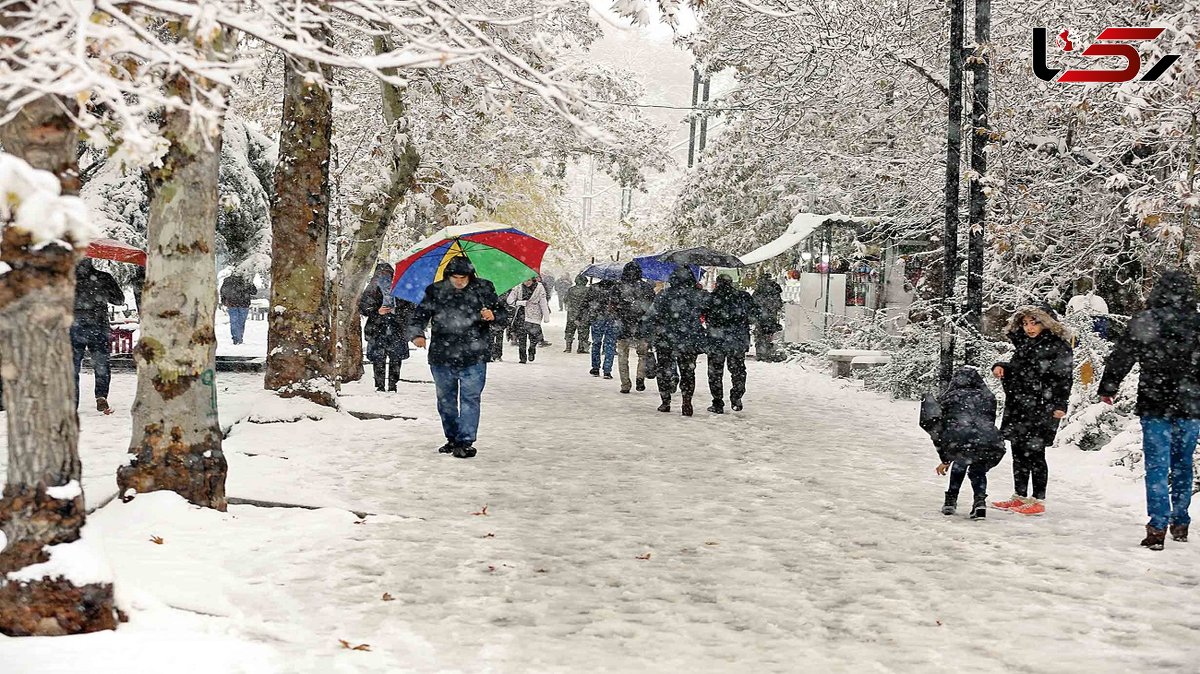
950,207
176,443
977,199
374,213
299,337
36,307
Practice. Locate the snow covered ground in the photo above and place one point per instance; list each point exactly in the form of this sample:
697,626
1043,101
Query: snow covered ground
594,533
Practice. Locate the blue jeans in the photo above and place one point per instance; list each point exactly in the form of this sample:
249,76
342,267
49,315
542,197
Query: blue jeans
458,392
1169,448
93,339
604,336
237,323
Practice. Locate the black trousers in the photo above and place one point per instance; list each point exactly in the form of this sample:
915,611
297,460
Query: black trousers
380,369
976,471
584,331
1029,463
675,368
497,337
529,335
716,376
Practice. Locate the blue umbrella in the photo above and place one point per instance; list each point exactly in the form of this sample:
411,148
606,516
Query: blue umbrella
605,271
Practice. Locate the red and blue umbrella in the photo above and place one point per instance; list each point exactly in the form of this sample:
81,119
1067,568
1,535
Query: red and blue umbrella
504,255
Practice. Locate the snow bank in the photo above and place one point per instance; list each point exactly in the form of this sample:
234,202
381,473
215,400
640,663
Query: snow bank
82,562
65,492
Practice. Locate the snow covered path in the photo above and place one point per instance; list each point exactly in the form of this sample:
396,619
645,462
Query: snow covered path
800,535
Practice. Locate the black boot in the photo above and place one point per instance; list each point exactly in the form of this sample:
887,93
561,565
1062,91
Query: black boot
640,385
979,507
666,404
950,505
686,408
718,407
1155,538
736,404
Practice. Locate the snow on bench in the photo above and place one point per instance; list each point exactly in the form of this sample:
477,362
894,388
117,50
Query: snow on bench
845,360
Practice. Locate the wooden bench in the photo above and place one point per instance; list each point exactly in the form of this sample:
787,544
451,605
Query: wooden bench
844,360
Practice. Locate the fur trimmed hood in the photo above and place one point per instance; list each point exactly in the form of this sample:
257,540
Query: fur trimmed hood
1041,316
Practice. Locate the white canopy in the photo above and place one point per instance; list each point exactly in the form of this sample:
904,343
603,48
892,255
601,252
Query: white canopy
802,225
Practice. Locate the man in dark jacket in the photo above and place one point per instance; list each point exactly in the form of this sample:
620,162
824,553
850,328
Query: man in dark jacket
769,297
461,308
90,332
673,326
631,299
236,292
966,438
728,315
600,311
577,316
1165,340
562,285
386,327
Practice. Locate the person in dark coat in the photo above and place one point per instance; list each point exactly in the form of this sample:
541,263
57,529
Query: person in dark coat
769,296
138,283
562,286
578,321
600,311
728,314
461,309
1165,340
966,438
90,331
631,299
1037,388
236,292
386,328
673,326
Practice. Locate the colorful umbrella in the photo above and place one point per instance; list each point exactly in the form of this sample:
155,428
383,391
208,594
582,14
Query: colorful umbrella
501,254
111,249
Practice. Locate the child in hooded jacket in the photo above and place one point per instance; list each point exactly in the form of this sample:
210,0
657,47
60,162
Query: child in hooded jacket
963,428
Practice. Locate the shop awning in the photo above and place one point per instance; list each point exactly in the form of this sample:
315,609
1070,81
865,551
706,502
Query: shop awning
801,227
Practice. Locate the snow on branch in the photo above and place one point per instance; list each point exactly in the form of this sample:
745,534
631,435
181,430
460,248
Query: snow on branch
32,201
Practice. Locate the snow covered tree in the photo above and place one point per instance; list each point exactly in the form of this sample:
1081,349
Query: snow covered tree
176,442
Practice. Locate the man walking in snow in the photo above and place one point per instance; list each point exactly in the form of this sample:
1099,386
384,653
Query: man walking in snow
578,321
90,332
236,292
728,315
461,309
674,328
632,298
1165,340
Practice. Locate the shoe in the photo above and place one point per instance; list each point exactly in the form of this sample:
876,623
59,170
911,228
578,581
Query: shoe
1034,507
1155,538
736,405
716,408
102,406
446,448
608,375
532,357
665,406
521,362
624,390
391,388
595,372
950,504
582,350
379,387
686,407
1015,502
979,507
640,385
568,349
1179,532
464,451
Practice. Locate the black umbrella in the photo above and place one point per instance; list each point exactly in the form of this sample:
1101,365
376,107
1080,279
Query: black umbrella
701,256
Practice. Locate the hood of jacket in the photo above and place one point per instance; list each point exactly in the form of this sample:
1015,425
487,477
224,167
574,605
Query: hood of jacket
632,272
1175,289
965,378
682,276
581,280
459,266
1014,330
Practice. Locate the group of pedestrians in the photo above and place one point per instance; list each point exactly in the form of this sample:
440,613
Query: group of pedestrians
669,330
1164,340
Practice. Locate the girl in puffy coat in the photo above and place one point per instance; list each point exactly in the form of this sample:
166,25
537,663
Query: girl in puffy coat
963,427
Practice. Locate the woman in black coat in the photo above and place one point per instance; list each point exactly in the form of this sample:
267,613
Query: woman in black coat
385,329
1037,388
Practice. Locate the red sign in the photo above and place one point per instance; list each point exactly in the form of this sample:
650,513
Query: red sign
1110,42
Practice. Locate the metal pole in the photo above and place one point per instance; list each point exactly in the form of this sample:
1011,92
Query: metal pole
977,201
828,271
704,119
692,117
953,160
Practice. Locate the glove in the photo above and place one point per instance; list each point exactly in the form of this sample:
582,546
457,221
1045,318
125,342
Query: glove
521,303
